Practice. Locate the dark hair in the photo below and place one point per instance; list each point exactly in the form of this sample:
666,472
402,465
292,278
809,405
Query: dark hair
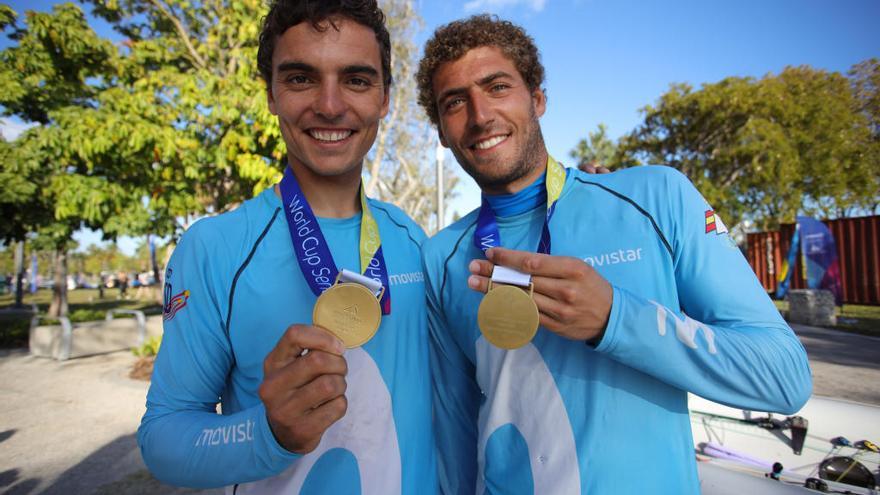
284,14
452,41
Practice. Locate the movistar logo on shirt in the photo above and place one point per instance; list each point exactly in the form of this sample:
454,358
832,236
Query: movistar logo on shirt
406,278
242,432
615,257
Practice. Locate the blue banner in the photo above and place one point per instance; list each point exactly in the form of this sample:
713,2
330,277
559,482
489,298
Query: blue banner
821,265
34,273
784,278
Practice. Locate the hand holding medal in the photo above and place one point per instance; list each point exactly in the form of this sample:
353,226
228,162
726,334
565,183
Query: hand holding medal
304,392
522,289
572,299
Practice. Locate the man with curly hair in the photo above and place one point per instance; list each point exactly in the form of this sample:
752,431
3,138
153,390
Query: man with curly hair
300,412
597,302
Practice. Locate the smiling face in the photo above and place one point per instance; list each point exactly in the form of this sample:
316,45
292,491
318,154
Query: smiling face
328,94
488,117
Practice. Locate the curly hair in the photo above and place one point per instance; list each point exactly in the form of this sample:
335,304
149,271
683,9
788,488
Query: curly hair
452,41
284,14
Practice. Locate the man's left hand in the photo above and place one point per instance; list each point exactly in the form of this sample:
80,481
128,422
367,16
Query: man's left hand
573,300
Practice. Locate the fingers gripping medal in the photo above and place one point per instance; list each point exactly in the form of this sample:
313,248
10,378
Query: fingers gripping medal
508,316
350,304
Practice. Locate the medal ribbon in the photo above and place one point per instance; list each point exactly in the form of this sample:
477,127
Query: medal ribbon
487,235
313,252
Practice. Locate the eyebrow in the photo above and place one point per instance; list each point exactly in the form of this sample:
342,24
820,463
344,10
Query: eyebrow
348,69
360,69
480,82
289,66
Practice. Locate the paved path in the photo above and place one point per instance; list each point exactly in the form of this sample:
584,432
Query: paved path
68,427
845,365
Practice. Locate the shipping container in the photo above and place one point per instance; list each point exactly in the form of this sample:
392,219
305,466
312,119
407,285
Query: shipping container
858,251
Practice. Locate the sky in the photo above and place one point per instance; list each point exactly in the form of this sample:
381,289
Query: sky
605,60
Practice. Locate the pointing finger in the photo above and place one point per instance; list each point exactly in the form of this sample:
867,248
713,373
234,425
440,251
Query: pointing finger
534,263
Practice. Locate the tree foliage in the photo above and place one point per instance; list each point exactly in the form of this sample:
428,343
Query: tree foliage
39,80
865,78
55,76
171,123
399,167
596,149
192,69
766,149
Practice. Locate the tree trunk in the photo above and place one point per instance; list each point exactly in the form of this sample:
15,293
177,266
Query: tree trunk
59,289
19,274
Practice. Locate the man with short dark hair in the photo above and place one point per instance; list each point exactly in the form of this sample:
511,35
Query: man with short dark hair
597,301
262,302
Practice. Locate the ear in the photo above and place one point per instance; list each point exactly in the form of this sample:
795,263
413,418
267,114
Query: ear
386,101
539,100
442,139
270,99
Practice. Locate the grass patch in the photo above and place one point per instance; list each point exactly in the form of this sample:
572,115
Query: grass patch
853,318
83,304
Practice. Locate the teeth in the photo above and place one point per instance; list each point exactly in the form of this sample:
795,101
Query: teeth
482,145
329,136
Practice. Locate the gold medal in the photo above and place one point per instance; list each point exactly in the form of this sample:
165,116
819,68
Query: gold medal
508,316
349,311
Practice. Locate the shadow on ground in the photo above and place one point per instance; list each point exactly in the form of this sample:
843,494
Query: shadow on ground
10,479
93,475
18,487
835,347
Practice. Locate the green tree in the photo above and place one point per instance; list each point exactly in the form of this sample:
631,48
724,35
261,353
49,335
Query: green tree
596,149
55,76
767,149
194,65
190,87
865,78
170,124
400,167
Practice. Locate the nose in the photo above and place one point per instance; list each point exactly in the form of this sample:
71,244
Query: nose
480,110
330,102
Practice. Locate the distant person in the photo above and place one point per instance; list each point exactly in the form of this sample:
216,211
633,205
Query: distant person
566,370
122,282
300,412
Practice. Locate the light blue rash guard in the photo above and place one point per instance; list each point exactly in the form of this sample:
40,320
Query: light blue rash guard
559,416
233,287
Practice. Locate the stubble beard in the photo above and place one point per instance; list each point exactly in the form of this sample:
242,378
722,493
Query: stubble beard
525,161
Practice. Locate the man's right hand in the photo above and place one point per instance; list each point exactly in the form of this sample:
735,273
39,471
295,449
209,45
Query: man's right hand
304,393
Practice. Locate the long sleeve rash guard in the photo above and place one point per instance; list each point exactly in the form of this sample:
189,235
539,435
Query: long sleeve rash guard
560,416
233,286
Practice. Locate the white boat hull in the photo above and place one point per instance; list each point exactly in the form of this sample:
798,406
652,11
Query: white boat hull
735,450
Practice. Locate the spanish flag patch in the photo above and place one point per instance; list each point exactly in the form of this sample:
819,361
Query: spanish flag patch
714,223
